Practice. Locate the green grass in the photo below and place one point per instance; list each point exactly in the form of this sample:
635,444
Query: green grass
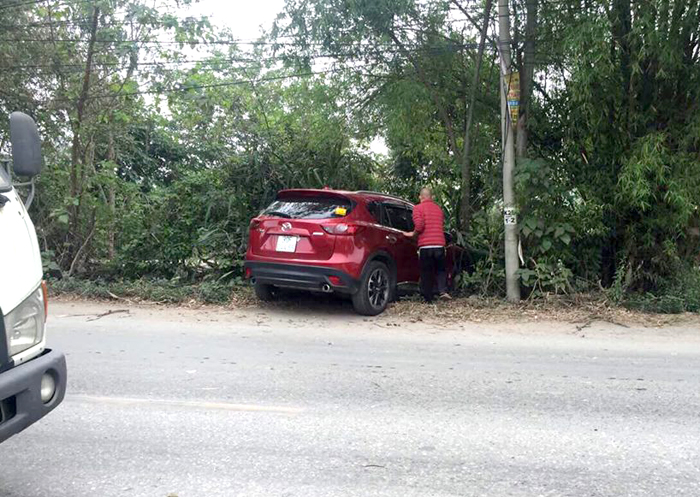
681,295
152,290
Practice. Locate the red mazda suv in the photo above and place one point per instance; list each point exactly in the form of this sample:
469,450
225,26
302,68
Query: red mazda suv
337,241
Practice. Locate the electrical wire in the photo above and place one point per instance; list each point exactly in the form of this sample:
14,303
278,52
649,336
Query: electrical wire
35,2
185,88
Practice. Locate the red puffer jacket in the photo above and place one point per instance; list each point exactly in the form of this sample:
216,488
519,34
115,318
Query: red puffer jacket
429,224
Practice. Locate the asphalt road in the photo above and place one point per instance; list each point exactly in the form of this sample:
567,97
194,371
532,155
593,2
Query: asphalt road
188,404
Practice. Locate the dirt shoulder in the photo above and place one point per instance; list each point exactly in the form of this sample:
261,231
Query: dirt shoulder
580,309
571,318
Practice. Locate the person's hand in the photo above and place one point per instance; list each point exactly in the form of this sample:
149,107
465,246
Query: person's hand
409,234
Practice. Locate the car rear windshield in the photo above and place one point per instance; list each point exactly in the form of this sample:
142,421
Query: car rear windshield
309,207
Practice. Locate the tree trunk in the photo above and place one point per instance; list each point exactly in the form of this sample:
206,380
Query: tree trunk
620,27
111,198
76,153
526,78
465,202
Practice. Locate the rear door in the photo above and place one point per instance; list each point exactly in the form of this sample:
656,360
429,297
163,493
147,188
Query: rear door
291,228
405,250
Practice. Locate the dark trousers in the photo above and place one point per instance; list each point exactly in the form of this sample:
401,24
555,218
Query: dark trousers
432,267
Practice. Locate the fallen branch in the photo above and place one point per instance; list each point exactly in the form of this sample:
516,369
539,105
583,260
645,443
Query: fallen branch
109,313
117,297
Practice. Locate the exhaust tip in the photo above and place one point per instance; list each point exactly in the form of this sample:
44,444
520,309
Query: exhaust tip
253,280
326,288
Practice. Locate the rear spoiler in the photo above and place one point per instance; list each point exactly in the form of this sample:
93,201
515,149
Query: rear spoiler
315,193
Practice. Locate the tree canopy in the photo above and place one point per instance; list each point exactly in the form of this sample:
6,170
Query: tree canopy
164,134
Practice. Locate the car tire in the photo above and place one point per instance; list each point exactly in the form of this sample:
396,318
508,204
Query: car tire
265,292
375,290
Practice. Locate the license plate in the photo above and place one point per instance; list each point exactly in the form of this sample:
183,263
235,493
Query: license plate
287,243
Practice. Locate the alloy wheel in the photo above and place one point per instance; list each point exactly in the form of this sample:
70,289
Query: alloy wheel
378,288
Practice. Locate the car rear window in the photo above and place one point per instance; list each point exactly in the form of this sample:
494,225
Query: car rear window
309,208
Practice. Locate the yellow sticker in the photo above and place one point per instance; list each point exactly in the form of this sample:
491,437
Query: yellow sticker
340,211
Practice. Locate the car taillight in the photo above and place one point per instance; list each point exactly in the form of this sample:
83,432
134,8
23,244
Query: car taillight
341,229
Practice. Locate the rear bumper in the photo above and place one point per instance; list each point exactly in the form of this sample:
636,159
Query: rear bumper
20,392
311,278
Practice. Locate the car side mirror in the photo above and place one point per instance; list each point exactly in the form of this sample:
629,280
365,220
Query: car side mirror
26,145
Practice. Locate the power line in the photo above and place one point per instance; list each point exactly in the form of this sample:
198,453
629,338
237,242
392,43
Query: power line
20,4
139,42
79,67
88,23
542,56
186,88
35,2
125,66
213,42
359,51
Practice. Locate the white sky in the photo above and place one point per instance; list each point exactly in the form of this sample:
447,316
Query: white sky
244,17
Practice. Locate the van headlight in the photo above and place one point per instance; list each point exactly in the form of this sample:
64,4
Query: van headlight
24,325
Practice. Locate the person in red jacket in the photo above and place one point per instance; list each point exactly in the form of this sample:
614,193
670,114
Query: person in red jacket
429,225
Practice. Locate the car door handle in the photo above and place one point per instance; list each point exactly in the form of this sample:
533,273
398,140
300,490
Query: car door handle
391,238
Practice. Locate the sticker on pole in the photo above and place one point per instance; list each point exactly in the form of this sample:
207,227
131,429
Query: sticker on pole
509,216
513,80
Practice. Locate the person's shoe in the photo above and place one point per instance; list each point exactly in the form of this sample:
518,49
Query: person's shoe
445,296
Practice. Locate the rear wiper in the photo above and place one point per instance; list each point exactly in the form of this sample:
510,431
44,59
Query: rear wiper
278,214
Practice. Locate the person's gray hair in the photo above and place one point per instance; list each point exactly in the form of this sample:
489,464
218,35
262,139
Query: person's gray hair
427,192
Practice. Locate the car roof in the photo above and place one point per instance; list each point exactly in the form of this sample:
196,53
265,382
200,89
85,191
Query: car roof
354,195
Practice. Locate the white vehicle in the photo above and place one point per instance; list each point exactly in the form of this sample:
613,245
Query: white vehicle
32,377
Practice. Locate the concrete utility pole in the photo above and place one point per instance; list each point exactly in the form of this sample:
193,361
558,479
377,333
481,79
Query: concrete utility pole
508,133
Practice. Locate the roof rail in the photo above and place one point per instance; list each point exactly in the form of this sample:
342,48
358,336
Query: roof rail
368,192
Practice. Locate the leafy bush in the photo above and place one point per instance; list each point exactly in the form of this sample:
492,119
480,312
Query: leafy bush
485,245
680,295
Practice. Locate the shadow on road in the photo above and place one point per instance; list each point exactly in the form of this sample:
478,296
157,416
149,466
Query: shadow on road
306,304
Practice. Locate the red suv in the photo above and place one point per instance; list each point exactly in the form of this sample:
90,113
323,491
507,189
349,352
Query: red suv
336,241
